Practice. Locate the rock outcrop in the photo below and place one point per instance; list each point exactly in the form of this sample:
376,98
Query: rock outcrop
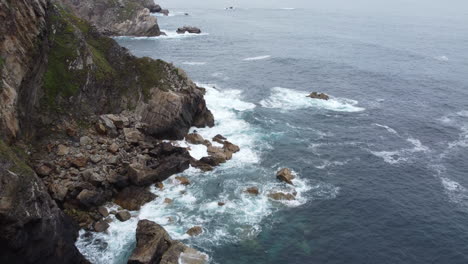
154,245
320,96
121,18
186,29
285,175
33,229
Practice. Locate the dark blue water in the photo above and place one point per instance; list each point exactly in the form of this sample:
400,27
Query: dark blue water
385,159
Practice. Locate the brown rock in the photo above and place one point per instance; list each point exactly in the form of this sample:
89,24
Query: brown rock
113,148
321,96
183,180
78,161
101,226
119,120
193,30
103,211
228,146
218,138
252,190
160,185
167,201
152,242
282,196
195,231
90,198
123,216
194,138
62,150
285,175
43,170
133,197
221,203
100,128
132,135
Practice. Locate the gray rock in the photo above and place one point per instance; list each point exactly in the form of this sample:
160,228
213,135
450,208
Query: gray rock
84,141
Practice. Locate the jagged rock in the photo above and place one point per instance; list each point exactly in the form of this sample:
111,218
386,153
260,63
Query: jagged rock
183,180
155,246
132,198
195,139
285,175
193,30
103,211
218,138
119,121
228,146
195,231
212,160
321,96
281,196
132,135
43,170
96,158
252,190
84,141
101,226
113,148
113,160
63,150
164,12
100,128
123,216
93,177
109,125
203,164
33,228
58,191
79,161
90,198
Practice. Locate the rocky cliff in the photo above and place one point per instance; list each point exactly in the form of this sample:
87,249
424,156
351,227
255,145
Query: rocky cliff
118,17
58,75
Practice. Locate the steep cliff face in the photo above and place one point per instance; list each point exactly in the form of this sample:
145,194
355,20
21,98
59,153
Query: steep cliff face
32,228
118,17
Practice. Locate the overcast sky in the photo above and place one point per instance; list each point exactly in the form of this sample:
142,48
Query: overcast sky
433,6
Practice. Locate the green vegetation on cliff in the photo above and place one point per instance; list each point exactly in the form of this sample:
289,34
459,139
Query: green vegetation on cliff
18,165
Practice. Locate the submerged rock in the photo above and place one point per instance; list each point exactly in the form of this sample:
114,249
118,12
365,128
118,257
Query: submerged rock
123,216
285,175
195,231
252,190
282,196
193,30
321,96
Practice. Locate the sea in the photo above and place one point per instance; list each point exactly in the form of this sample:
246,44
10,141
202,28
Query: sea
381,167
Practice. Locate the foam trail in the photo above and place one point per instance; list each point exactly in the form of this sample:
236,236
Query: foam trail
402,155
170,34
442,58
389,129
193,63
257,58
289,99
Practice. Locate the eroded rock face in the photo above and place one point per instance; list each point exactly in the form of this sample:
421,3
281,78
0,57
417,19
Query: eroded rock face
154,245
192,30
32,228
124,17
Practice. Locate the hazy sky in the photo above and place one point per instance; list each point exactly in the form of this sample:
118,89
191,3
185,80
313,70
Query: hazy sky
433,6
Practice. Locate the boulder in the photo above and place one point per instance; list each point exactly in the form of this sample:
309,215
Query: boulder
78,161
100,128
192,30
133,197
221,203
228,146
167,200
252,190
119,121
183,180
133,136
91,198
218,138
43,170
103,211
164,12
123,215
154,8
195,231
321,96
113,148
152,242
194,138
62,150
101,226
84,141
110,127
285,175
281,196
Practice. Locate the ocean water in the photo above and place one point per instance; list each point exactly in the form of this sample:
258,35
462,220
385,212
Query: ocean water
381,168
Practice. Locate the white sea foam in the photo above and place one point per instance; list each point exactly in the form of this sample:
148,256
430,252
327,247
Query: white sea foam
456,192
289,99
402,155
197,204
389,129
257,58
170,34
288,8
442,58
193,63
